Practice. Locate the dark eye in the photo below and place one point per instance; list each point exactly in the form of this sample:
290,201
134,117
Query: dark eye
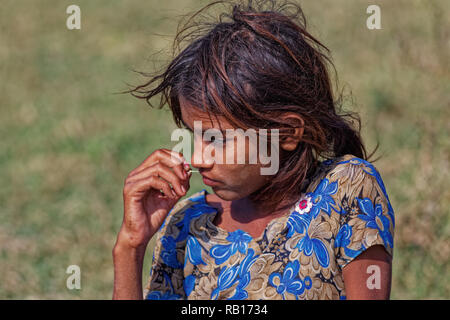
215,139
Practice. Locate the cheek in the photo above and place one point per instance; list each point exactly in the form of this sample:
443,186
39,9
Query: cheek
246,176
242,151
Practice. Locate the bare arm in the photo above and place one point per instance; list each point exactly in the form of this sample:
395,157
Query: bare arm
368,276
128,263
150,192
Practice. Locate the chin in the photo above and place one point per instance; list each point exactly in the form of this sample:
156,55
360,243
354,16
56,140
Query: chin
228,195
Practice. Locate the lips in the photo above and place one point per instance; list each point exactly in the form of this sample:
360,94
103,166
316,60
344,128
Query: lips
209,181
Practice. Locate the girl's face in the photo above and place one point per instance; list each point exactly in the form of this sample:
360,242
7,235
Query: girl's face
231,180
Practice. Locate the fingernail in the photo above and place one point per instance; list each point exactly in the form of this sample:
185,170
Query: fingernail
183,188
174,194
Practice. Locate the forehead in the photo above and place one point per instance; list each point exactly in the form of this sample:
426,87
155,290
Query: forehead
191,113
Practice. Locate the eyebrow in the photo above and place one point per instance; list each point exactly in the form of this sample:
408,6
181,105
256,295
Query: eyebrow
184,123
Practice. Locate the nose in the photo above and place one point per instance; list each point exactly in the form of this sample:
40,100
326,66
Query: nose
202,157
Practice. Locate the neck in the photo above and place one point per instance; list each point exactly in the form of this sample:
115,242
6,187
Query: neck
245,210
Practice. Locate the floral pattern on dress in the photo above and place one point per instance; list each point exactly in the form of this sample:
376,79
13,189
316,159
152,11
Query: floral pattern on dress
344,211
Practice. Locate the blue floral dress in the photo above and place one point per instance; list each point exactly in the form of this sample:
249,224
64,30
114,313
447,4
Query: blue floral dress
344,210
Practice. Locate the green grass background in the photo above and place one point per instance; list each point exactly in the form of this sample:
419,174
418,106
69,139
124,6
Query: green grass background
67,142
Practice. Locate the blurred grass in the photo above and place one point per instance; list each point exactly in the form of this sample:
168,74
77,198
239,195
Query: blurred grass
68,142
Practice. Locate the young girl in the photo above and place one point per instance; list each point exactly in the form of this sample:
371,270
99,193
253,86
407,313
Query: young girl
321,227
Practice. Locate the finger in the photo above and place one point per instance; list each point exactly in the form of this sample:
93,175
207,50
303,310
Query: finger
151,159
178,169
164,172
177,166
152,182
170,158
178,158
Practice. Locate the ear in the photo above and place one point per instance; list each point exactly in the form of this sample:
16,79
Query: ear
290,142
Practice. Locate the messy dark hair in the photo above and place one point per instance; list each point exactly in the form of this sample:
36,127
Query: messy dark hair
253,64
